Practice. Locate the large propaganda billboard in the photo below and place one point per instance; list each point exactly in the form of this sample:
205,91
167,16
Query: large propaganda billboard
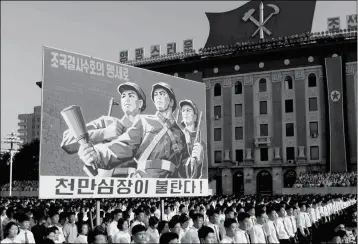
111,130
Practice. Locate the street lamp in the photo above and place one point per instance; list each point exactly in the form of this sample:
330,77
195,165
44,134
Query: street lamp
11,139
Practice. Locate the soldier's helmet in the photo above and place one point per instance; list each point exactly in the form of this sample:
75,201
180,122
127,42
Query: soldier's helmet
133,86
191,104
168,89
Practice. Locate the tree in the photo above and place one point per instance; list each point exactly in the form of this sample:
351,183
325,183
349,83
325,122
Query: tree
4,168
26,162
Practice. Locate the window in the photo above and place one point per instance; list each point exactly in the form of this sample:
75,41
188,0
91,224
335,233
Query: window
264,154
33,127
262,85
238,110
312,80
289,106
288,83
313,128
217,90
314,152
290,130
239,133
238,87
218,156
263,129
239,155
38,127
312,104
263,107
38,133
38,120
217,111
217,134
290,153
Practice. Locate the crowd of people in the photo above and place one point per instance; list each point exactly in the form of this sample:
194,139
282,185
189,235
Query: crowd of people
327,180
26,185
213,219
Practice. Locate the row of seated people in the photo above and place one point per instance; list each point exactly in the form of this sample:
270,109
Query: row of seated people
26,185
212,219
348,179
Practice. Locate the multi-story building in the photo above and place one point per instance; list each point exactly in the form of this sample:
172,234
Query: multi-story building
275,107
29,125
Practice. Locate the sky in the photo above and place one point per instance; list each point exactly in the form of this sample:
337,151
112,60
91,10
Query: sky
102,29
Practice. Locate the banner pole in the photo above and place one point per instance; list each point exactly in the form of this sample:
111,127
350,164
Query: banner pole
98,203
161,208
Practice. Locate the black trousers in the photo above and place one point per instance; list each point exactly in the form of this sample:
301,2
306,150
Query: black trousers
285,241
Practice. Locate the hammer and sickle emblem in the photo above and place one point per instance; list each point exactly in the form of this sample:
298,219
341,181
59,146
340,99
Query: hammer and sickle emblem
248,16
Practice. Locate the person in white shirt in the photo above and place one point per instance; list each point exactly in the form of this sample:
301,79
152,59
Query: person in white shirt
25,235
139,234
112,228
191,236
280,226
230,229
139,218
11,231
290,223
241,235
82,237
152,231
122,236
229,213
184,224
206,235
175,226
269,227
214,223
250,209
257,233
301,225
55,217
166,215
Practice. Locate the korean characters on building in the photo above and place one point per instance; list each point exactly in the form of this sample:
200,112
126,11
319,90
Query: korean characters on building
158,131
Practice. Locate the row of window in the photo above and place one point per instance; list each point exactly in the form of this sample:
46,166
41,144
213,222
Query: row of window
290,131
312,106
312,82
290,154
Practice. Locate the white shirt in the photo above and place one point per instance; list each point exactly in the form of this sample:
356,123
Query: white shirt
21,236
122,237
280,228
112,228
81,239
227,239
288,224
312,215
241,236
307,220
7,240
270,230
257,234
191,236
294,224
318,216
152,235
216,232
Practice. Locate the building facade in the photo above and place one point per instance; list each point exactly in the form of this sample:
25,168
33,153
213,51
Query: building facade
270,114
29,125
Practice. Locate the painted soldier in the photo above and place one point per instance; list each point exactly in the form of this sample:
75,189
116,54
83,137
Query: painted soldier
189,124
108,128
155,142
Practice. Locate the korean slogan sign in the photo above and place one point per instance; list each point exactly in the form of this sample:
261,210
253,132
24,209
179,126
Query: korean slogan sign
111,130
